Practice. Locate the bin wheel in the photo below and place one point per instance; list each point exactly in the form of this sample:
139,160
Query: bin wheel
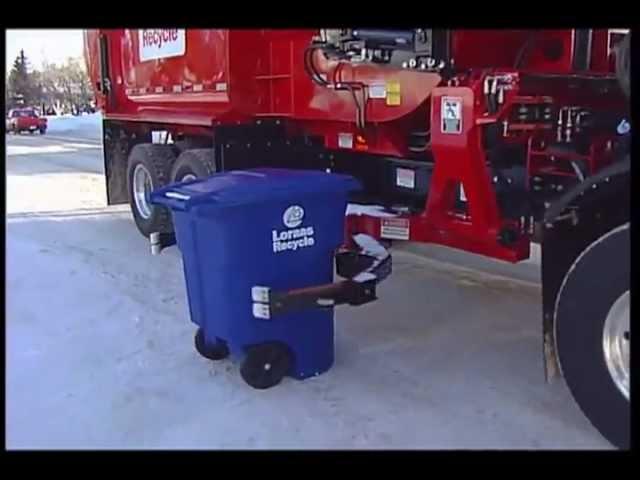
266,365
217,351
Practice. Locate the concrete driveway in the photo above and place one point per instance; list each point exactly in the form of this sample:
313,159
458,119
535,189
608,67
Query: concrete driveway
100,348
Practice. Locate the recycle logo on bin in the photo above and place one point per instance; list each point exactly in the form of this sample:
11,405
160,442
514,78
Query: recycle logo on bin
293,216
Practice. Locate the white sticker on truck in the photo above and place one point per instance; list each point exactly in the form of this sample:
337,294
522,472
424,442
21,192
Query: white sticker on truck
345,140
378,91
157,43
395,228
406,178
451,112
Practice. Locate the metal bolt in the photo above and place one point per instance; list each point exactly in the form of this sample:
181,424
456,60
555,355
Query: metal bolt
267,366
594,186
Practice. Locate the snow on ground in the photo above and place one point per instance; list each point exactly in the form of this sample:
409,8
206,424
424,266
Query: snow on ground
100,347
85,126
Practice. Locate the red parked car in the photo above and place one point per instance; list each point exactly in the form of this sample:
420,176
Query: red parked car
26,119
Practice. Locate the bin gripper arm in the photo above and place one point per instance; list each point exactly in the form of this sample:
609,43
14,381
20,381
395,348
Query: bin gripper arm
363,270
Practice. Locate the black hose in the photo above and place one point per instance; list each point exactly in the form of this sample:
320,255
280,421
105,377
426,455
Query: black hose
623,64
529,42
310,67
312,71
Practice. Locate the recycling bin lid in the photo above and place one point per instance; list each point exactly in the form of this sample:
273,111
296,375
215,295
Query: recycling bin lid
250,187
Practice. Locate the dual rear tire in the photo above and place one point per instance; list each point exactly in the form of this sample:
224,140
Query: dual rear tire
152,166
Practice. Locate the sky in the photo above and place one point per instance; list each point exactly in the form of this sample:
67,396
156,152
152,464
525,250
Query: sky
53,45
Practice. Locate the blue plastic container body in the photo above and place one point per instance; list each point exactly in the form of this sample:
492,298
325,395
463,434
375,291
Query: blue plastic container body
263,227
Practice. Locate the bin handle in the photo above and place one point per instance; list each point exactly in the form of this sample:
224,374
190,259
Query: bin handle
172,199
177,196
363,268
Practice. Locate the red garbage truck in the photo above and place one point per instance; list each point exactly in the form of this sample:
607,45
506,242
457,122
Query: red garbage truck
480,140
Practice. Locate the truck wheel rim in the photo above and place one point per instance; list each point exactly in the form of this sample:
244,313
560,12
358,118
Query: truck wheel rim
616,342
142,188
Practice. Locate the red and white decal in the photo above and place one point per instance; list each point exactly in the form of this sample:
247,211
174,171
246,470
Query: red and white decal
157,43
394,228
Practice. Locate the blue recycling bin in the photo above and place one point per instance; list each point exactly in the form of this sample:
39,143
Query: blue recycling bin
273,228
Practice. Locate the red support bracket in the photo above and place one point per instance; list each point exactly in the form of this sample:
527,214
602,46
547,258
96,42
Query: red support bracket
456,143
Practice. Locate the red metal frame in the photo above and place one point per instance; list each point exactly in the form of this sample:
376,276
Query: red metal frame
460,160
231,77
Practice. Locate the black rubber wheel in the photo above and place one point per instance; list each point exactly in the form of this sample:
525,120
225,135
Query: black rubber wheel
197,163
597,282
43,131
266,365
152,162
217,351
623,64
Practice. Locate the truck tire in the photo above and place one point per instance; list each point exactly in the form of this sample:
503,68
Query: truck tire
148,169
192,164
592,323
623,64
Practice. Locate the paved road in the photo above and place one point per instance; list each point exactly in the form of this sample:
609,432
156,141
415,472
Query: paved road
99,346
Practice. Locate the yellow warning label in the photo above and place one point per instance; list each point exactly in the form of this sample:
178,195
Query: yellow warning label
393,94
393,99
393,87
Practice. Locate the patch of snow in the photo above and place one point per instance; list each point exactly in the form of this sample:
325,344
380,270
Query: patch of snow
87,125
